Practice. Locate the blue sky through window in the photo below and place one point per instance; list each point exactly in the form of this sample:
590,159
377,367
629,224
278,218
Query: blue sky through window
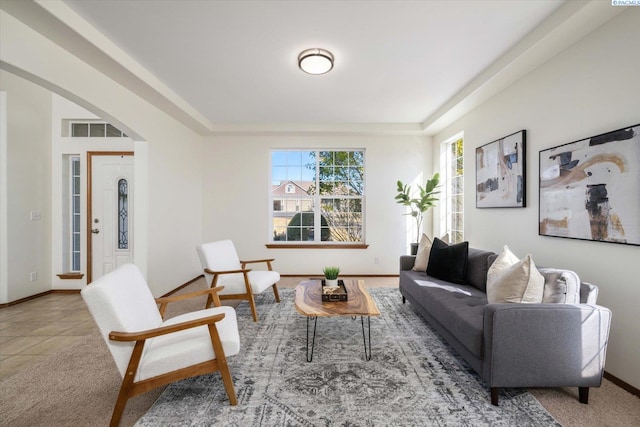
292,166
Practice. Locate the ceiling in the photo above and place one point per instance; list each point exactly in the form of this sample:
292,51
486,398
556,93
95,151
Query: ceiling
236,61
229,66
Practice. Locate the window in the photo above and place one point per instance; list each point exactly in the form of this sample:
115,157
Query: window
95,130
452,166
317,196
123,214
74,210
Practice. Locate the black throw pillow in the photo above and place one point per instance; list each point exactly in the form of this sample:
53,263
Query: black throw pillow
448,262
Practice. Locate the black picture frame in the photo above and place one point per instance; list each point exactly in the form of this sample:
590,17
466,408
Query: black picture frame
589,189
501,172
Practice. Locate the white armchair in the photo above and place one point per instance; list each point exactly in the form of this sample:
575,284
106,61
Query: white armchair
222,267
151,352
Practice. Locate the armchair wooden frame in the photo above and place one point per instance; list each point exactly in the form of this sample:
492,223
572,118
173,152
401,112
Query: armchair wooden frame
130,388
248,295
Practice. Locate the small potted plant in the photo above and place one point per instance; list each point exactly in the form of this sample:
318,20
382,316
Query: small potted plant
331,275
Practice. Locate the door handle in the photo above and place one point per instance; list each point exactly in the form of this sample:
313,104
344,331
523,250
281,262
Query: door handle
95,231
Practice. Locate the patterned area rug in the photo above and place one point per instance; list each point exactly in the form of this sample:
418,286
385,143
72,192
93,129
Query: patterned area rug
413,378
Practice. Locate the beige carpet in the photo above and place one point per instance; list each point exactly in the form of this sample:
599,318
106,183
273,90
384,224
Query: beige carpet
79,386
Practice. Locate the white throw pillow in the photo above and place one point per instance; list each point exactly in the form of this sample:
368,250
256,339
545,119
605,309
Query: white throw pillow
513,280
424,250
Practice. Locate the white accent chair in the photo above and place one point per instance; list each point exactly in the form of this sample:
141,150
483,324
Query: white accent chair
151,352
222,267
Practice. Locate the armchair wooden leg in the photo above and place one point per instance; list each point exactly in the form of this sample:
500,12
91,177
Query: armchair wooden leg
275,292
127,384
495,393
221,359
583,393
228,384
252,304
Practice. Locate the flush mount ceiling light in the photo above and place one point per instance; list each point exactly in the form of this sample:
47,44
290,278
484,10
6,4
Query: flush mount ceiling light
315,61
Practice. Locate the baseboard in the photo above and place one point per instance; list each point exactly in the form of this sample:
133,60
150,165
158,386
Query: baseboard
623,385
41,294
182,286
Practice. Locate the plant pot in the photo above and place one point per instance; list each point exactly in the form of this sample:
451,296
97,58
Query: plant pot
331,283
414,249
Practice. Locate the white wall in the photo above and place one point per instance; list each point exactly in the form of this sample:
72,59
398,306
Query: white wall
28,190
168,194
236,198
590,88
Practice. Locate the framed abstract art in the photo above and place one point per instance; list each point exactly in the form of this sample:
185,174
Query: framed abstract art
590,189
501,172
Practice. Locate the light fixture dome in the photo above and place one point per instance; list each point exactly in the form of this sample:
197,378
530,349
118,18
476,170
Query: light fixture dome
315,61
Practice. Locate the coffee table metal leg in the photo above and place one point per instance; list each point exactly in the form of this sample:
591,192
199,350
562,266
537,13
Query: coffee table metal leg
367,355
313,339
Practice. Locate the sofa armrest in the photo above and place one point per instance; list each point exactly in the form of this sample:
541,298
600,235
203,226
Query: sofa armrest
545,345
407,262
588,293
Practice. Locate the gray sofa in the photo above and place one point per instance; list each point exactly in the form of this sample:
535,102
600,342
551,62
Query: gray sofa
514,345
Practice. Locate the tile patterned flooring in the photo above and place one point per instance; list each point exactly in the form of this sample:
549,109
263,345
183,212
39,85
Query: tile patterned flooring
32,330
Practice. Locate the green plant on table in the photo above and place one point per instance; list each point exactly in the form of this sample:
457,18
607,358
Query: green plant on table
331,273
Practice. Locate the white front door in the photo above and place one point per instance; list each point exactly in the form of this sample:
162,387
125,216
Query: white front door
111,212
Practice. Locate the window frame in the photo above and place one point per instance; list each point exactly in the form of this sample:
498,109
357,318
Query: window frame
316,202
75,218
108,130
448,164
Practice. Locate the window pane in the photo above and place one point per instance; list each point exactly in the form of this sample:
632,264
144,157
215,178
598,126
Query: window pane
123,214
113,131
76,205
279,234
79,129
76,241
300,227
296,166
96,130
343,218
75,166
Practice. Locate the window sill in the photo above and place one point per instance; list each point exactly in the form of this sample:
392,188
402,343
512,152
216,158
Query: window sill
316,246
70,276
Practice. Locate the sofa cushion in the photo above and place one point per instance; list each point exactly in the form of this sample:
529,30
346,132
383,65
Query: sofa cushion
459,308
478,263
560,286
511,280
448,262
424,250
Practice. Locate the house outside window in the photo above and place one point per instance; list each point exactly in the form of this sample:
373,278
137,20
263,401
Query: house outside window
317,196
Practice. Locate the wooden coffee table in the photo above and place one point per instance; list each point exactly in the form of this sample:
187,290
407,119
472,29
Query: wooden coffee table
308,302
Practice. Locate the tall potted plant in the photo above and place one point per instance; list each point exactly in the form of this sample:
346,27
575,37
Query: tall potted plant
418,205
